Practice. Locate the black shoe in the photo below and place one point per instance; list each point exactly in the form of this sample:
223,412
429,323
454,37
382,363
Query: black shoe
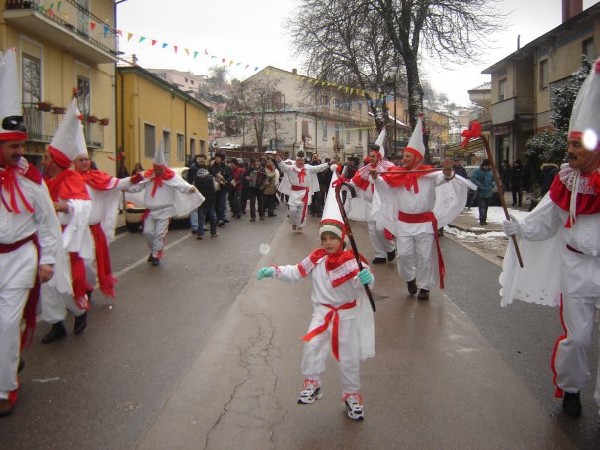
150,258
378,261
391,255
57,332
194,231
423,294
272,215
412,287
21,365
571,404
155,262
80,323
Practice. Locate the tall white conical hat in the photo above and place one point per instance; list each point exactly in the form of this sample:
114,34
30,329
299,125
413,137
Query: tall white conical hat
67,142
332,220
159,156
379,143
416,145
585,118
11,115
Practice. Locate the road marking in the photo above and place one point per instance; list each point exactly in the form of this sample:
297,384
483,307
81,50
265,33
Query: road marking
143,260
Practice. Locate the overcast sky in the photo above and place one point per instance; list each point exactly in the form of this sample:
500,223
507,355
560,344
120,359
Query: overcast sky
249,34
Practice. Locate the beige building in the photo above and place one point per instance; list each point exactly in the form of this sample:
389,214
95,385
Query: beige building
62,46
522,83
151,110
332,121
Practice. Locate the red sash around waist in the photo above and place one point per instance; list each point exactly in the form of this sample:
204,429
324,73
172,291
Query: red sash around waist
424,218
331,315
7,248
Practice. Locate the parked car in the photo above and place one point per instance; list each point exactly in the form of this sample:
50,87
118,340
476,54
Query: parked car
134,212
494,201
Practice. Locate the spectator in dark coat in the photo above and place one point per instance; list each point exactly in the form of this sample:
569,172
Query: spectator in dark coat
505,175
549,171
205,183
517,176
459,169
483,178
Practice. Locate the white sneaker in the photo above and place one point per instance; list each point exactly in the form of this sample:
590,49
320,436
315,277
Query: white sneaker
310,393
354,406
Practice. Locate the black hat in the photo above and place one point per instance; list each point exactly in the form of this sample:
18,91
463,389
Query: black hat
300,154
374,147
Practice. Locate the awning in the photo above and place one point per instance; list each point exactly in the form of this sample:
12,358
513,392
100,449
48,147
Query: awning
456,151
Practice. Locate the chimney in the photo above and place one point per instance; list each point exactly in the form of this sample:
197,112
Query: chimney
295,71
571,8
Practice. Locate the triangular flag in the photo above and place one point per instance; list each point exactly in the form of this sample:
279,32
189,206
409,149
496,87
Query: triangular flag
164,44
129,36
106,30
206,51
92,25
187,51
153,42
175,48
195,54
142,39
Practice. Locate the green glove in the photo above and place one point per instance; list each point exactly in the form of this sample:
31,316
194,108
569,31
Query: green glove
365,276
265,272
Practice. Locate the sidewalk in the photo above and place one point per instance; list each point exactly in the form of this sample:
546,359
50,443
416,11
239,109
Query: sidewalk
434,383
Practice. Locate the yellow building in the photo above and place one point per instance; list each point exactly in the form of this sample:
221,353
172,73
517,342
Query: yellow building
62,46
151,110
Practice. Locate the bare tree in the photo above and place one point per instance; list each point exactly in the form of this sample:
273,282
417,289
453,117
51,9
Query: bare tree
369,42
257,101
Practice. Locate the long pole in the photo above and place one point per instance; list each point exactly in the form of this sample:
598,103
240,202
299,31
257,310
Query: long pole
338,198
395,119
488,152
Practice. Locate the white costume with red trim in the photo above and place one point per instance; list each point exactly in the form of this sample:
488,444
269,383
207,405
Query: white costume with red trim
561,259
18,268
304,183
356,329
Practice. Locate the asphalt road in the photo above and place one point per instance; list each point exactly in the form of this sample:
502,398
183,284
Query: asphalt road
197,354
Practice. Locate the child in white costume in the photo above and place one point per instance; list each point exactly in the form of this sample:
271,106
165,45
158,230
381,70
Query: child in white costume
342,316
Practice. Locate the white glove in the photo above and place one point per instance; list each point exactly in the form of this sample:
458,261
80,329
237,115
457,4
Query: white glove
512,226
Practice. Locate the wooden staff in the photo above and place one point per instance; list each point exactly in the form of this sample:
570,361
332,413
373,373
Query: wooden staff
488,151
338,198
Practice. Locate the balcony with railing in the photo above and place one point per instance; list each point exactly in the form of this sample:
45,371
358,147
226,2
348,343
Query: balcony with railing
69,26
512,110
42,125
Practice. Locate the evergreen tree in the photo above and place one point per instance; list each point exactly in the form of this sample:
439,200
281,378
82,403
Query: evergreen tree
551,145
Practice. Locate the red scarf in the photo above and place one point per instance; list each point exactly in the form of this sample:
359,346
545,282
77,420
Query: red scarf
334,265
400,177
8,180
99,180
586,203
67,185
301,174
158,179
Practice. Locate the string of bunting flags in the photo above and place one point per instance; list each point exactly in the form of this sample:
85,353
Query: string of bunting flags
103,30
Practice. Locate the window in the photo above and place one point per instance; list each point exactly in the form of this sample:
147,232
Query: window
501,89
324,128
587,48
543,74
324,100
180,147
337,132
193,147
360,136
83,99
276,98
336,103
167,146
149,140
304,129
32,81
347,136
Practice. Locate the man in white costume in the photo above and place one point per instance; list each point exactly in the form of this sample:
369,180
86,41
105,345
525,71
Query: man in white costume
342,315
560,245
165,195
105,192
417,200
384,248
29,234
304,182
73,206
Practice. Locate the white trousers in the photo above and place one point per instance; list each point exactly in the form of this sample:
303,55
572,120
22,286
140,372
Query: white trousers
570,359
316,350
155,232
381,245
17,272
415,259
